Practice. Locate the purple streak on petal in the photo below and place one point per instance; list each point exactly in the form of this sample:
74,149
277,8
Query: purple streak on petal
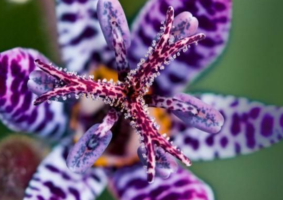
213,22
242,132
51,183
17,111
130,183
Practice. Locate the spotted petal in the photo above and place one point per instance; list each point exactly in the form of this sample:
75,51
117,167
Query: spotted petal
92,144
116,32
249,126
111,14
80,36
17,111
130,183
53,180
214,18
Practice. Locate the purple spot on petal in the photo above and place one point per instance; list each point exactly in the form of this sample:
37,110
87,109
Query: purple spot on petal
69,17
219,6
235,103
55,190
254,112
223,141
237,148
266,128
210,140
75,193
156,192
281,121
193,142
39,197
250,135
236,126
86,34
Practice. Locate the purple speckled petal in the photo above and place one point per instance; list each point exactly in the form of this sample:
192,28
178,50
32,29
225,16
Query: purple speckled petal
92,144
184,25
17,111
130,183
111,14
88,149
165,163
80,36
207,118
249,126
214,18
53,180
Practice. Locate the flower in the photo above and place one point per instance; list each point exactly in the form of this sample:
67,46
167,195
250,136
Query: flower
249,125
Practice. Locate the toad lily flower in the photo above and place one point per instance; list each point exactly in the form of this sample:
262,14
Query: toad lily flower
128,97
249,125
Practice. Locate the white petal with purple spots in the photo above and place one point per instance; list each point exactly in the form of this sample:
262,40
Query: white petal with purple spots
249,126
53,180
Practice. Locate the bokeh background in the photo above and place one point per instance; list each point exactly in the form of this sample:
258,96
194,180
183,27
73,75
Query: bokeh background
251,66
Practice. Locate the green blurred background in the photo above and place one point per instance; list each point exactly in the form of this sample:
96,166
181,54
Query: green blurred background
251,66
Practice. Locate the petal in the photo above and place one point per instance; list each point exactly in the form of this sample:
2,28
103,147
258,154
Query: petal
249,126
53,180
165,163
207,119
116,32
17,110
88,149
92,144
80,36
111,14
214,21
130,183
